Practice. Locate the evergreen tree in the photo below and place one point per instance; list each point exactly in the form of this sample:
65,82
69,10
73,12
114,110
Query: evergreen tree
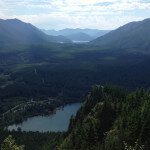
9,144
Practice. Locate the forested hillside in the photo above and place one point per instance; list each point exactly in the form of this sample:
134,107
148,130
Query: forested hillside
14,31
133,35
66,71
111,119
69,70
36,77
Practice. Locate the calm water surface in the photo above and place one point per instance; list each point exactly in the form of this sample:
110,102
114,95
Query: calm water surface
55,122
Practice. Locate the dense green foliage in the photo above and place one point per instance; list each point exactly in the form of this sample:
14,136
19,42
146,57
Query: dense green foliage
64,72
33,140
9,144
111,119
67,71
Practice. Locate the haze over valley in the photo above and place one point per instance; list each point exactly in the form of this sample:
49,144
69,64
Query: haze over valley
83,35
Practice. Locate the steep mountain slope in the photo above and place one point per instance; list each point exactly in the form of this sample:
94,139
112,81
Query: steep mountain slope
131,35
111,119
51,32
100,33
15,31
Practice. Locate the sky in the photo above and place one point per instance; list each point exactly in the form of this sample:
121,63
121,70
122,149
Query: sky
60,14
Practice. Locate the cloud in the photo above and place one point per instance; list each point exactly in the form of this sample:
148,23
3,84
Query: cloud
103,14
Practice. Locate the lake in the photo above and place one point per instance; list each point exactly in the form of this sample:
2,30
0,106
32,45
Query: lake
79,41
55,122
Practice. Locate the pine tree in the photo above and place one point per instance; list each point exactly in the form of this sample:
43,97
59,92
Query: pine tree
9,144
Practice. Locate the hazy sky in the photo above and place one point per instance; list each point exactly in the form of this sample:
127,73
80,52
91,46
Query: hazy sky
59,14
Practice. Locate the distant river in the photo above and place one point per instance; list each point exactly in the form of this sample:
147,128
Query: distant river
55,122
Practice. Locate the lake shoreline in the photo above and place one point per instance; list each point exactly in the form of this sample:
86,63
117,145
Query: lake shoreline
32,108
61,115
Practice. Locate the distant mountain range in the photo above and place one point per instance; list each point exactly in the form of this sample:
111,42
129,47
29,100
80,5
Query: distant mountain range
134,35
130,36
15,31
78,34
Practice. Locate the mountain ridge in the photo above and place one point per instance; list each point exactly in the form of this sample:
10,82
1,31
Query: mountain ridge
131,35
92,33
17,31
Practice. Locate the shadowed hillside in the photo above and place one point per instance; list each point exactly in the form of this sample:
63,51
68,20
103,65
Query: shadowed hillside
134,35
14,31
